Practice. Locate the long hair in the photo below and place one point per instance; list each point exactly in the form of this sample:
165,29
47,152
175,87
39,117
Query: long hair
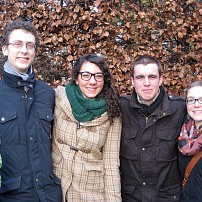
109,91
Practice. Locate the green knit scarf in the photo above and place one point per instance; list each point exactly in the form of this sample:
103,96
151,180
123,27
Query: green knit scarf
84,109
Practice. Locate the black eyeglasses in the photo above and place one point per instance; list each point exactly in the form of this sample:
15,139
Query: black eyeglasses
20,44
191,101
86,76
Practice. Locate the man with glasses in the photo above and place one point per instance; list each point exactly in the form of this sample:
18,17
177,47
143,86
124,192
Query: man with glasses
26,116
151,123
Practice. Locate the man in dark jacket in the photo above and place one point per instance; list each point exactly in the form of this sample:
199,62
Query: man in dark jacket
26,116
151,124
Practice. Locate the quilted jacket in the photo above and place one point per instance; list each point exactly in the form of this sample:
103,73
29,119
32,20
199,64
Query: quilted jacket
26,116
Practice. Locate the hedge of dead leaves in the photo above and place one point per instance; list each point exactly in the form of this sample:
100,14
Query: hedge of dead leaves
118,30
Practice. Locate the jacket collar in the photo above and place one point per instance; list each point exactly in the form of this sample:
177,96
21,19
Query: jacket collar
16,81
162,110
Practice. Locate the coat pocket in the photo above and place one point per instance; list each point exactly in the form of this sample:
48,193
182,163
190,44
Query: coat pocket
10,184
128,148
128,192
9,129
166,148
169,194
46,118
93,177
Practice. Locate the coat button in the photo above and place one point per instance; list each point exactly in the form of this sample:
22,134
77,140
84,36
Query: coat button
144,183
2,118
59,140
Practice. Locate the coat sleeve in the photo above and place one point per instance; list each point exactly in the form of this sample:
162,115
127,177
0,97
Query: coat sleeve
56,154
111,162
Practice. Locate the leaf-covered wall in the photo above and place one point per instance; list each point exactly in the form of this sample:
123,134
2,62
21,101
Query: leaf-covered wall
120,31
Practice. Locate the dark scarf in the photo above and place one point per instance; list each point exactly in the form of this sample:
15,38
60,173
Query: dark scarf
84,109
148,110
190,139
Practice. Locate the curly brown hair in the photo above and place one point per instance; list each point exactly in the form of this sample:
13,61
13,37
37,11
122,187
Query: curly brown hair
109,90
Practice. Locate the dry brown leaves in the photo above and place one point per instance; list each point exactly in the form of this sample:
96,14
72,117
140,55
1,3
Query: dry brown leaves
120,32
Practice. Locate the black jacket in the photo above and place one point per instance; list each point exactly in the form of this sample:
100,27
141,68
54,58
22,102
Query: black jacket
26,116
148,153
192,191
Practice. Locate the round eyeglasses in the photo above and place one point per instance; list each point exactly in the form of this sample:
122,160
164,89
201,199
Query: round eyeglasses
86,76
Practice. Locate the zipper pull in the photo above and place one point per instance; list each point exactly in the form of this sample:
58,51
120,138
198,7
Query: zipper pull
26,89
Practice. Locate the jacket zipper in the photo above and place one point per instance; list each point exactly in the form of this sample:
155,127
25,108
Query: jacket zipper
26,89
146,117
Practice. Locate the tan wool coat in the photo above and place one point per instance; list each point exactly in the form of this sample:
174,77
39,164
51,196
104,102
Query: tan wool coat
86,155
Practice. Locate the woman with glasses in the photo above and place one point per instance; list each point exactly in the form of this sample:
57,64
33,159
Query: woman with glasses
190,144
86,135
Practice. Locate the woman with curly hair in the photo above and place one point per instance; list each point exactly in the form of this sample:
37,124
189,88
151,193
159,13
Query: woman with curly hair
86,137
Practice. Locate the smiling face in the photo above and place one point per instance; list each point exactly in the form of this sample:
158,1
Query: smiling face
20,58
90,88
146,81
195,110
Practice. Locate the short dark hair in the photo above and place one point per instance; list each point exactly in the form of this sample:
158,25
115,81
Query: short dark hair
109,91
145,60
19,24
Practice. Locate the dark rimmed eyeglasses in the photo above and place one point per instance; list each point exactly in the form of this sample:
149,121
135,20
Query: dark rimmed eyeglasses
86,76
20,44
191,101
